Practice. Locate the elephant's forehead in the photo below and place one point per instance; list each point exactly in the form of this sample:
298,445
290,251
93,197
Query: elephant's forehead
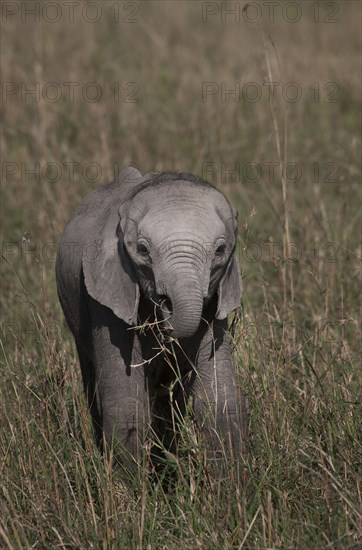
184,209
178,192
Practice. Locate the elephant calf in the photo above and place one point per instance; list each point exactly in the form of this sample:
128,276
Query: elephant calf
146,276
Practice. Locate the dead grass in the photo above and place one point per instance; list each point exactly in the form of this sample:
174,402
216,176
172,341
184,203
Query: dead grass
297,344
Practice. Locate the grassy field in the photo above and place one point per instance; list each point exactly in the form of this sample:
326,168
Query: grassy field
150,83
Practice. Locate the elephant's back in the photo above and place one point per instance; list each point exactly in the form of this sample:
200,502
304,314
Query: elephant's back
82,230
93,205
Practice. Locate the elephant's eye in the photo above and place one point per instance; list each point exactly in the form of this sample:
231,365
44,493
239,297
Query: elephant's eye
220,250
142,249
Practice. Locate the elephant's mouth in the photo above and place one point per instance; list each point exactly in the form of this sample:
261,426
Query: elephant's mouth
165,305
164,312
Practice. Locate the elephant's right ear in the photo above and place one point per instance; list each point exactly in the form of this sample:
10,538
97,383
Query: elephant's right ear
108,273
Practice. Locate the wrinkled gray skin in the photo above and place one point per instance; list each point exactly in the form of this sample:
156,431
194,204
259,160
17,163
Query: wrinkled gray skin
154,248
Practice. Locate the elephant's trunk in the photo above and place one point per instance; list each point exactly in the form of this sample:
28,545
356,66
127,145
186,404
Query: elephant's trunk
187,305
186,297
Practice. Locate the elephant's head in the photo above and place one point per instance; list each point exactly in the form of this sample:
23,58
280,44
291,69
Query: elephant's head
175,242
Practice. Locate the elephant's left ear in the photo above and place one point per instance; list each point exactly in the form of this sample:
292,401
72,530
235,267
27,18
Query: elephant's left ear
230,289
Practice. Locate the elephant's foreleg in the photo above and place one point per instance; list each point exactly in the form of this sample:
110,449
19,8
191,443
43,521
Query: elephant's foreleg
120,385
218,403
125,425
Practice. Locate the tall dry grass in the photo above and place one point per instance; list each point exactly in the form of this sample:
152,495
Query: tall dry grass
297,343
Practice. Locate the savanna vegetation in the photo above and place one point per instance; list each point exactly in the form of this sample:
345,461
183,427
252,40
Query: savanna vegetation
150,83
